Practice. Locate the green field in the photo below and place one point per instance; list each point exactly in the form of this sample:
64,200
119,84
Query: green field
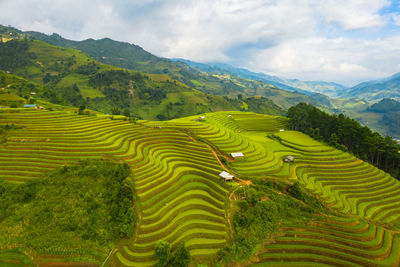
175,166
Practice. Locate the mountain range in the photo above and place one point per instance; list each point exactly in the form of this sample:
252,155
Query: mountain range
218,79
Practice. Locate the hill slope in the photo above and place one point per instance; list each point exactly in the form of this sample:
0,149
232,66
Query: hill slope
130,56
68,76
376,90
311,202
305,87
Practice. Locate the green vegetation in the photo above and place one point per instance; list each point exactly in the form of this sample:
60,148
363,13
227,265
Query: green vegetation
347,134
391,114
64,198
270,205
130,56
261,212
15,54
69,77
376,90
180,258
78,211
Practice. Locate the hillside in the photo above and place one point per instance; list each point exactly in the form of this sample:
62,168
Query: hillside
69,77
376,90
274,212
131,56
305,87
389,109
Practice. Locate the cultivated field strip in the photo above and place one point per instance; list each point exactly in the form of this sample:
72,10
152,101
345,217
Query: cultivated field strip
181,198
176,178
342,181
335,242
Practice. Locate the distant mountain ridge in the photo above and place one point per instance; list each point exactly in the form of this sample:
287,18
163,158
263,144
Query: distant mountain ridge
377,89
306,87
130,56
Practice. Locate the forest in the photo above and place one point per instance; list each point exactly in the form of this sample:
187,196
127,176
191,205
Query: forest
348,135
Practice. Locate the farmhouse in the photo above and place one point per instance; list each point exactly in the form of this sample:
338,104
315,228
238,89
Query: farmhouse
288,159
226,176
237,155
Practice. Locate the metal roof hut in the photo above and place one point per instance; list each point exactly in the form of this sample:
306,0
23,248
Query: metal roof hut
237,155
288,159
30,106
230,116
226,176
202,118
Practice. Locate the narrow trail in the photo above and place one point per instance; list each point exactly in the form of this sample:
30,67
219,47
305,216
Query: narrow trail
229,211
109,255
242,184
240,181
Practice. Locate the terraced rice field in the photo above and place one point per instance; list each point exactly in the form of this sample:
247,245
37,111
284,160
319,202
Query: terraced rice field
182,199
176,179
335,242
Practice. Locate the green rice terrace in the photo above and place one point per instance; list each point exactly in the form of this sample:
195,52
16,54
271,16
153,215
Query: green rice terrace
323,207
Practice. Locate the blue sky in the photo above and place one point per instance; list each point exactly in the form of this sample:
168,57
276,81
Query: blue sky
334,40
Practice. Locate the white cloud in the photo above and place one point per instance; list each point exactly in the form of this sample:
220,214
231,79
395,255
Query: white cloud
342,60
286,37
354,14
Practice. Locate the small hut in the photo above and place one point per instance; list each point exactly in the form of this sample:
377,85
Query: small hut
226,176
30,106
237,155
230,116
281,130
288,159
202,118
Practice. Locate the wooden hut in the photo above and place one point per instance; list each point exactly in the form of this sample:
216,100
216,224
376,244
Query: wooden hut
226,176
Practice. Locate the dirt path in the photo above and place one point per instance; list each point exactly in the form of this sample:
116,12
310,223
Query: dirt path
109,255
240,181
229,211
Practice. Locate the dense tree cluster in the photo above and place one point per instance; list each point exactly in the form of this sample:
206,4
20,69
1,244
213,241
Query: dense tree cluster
385,105
263,208
179,258
87,205
347,134
390,109
123,78
14,54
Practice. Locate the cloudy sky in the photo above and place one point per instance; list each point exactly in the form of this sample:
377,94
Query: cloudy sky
345,41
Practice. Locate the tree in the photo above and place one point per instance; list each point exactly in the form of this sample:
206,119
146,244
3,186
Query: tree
126,113
163,253
333,140
2,81
180,258
115,111
81,109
